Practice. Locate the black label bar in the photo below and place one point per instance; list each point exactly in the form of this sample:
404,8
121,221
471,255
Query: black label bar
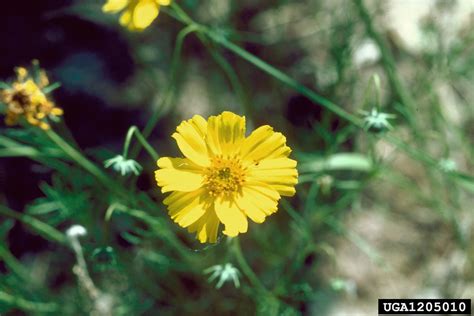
425,306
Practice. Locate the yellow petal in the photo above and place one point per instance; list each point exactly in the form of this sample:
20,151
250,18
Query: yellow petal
263,198
231,216
190,136
177,174
206,227
114,5
279,173
177,200
186,208
31,87
126,19
225,133
253,212
264,143
144,13
57,111
163,2
22,73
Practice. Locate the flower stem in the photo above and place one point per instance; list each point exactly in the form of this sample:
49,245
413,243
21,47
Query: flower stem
169,93
134,130
13,264
231,75
247,270
21,303
388,62
40,227
85,163
178,48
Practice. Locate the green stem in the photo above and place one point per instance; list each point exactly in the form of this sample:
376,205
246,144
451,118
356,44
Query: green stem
154,223
278,74
254,280
173,76
231,75
134,130
40,227
13,264
388,62
83,161
21,303
183,17
169,92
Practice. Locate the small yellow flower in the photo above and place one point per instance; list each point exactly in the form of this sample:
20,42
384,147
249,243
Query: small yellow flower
137,14
225,177
25,99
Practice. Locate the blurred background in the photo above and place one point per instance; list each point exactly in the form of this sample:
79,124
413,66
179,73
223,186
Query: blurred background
392,228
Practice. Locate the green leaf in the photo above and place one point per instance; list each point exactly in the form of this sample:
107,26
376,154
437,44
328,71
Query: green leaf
51,87
341,161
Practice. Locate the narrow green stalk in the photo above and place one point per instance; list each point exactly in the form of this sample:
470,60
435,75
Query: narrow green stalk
154,223
23,304
134,130
25,151
254,280
231,75
169,91
40,227
83,161
168,95
278,74
180,14
388,62
13,264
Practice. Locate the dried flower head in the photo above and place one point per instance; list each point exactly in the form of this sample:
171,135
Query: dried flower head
376,121
26,99
124,166
225,273
137,14
225,176
76,231
447,165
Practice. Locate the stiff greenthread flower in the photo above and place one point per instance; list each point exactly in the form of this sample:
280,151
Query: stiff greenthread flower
225,177
137,14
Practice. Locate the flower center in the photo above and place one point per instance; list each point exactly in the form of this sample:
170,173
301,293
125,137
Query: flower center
225,176
21,99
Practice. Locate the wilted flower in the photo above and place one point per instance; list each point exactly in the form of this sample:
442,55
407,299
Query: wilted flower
225,177
447,165
325,183
376,121
137,14
225,273
25,98
76,231
124,166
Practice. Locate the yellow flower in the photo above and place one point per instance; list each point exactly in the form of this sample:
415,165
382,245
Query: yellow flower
225,177
26,99
137,14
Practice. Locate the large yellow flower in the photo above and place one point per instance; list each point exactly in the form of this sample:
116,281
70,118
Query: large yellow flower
225,177
137,14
